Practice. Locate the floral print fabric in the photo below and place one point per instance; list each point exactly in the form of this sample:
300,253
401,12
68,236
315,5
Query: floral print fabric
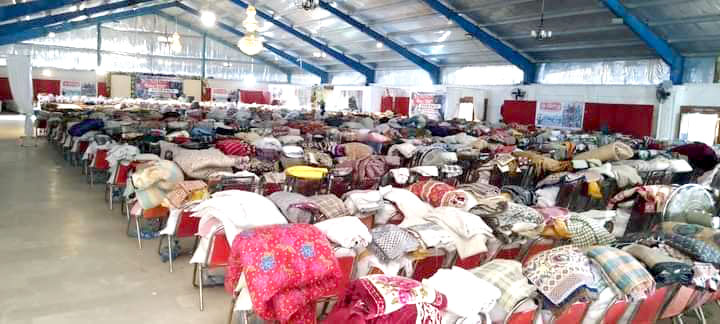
287,268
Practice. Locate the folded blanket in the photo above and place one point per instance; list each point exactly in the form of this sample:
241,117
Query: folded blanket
199,164
624,271
287,268
506,275
516,222
586,232
470,233
388,299
665,269
294,206
330,206
467,295
706,276
558,273
612,152
152,182
696,249
348,232
356,151
439,194
391,242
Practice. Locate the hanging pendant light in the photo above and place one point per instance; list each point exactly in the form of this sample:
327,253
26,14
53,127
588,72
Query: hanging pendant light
251,44
176,46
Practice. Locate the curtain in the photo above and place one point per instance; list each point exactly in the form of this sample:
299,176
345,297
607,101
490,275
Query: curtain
20,75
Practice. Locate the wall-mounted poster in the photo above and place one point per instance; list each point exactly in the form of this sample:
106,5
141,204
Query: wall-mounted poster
219,94
153,86
430,104
555,114
70,88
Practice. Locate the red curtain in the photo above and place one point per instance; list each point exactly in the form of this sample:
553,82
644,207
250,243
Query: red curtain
635,120
386,104
46,86
102,89
5,93
521,112
257,97
402,106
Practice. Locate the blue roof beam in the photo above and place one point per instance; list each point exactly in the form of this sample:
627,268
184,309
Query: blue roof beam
667,53
514,57
49,20
68,26
32,7
424,64
220,40
368,72
324,76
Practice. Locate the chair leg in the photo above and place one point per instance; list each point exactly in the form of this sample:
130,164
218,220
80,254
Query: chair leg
232,310
170,252
92,177
137,230
195,277
200,281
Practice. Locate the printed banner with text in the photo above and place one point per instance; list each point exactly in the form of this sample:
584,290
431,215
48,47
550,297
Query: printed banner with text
430,104
152,86
555,114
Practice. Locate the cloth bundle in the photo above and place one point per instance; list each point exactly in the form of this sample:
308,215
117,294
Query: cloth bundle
235,147
390,242
654,197
612,152
559,273
665,269
356,151
330,206
153,181
517,221
703,233
520,195
469,232
295,207
706,276
439,194
200,164
626,273
183,191
467,295
586,232
507,276
481,190
363,202
348,232
381,299
287,268
543,164
696,249
408,203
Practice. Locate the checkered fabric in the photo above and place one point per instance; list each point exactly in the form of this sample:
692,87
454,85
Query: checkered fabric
330,206
507,276
451,171
625,272
559,273
390,242
586,232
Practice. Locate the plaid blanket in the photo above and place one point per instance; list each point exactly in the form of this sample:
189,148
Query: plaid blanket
626,273
586,232
507,276
330,206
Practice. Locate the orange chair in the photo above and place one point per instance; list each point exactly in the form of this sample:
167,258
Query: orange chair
77,159
513,317
152,213
650,308
217,257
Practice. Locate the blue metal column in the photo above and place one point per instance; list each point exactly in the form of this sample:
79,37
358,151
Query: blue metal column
44,31
204,55
352,63
511,55
669,55
49,20
424,64
99,45
324,76
32,7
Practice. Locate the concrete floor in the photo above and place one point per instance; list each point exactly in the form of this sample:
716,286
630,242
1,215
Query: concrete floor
66,259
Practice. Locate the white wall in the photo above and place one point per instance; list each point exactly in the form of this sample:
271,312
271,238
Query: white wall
706,95
58,74
235,85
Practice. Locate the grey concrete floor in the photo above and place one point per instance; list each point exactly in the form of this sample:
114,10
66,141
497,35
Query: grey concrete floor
64,257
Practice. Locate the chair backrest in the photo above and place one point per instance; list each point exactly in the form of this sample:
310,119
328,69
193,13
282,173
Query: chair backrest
615,312
121,174
678,302
427,267
650,308
472,261
187,226
574,314
82,146
219,250
347,267
101,161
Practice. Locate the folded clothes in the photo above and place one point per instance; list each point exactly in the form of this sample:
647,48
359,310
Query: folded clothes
348,232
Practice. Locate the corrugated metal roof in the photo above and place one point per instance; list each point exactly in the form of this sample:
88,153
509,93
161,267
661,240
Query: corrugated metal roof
583,29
